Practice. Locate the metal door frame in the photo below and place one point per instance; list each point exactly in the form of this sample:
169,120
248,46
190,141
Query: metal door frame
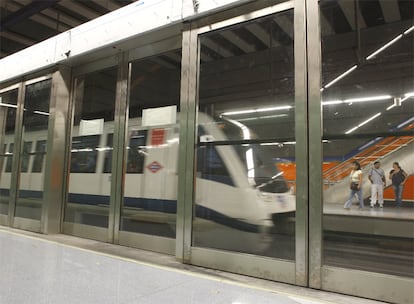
294,272
164,41
344,280
13,221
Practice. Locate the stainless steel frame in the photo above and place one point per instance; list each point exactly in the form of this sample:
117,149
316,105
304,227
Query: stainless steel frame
113,234
280,270
301,154
350,281
189,77
16,153
315,142
138,240
52,208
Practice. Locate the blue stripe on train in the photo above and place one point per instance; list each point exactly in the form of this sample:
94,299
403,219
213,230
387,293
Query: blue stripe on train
159,205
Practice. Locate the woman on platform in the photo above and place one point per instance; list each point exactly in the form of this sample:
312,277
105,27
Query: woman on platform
355,186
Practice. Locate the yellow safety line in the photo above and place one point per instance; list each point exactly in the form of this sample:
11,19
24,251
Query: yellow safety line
167,268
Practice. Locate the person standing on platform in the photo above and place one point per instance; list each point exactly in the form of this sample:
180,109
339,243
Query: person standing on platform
355,186
377,178
398,177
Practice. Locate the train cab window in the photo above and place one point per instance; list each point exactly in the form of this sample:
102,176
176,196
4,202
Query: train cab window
27,149
9,158
211,166
39,156
108,153
84,154
136,151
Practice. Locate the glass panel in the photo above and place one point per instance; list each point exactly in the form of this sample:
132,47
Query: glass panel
39,156
150,195
368,118
245,185
89,189
8,104
35,125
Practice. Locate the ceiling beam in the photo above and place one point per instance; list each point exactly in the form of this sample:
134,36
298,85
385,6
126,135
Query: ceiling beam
238,41
262,35
173,56
109,5
25,12
349,12
390,10
285,24
61,17
80,9
39,18
216,47
326,27
17,38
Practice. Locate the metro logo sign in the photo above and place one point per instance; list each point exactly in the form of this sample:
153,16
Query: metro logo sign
154,167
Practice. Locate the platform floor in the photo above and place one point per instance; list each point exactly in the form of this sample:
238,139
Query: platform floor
63,269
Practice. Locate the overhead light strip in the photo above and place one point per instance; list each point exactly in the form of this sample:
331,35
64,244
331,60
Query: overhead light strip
341,76
363,123
406,32
384,47
259,110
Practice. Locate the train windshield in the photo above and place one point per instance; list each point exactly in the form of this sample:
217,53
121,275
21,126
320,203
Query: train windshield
257,158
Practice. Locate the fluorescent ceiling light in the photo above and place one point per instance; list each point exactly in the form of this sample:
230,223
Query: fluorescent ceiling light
370,98
384,47
341,76
261,117
390,107
8,105
409,30
41,113
259,110
410,94
332,102
363,123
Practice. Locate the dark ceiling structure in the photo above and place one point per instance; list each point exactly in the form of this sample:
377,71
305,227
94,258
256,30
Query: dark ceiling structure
27,22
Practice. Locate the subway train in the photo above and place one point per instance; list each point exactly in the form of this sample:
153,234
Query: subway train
237,186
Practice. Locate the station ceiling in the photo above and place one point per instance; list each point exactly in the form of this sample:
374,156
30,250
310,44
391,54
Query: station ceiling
27,22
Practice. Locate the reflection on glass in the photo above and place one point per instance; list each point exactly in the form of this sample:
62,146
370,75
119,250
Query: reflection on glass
368,117
245,184
150,189
89,180
8,102
39,156
35,125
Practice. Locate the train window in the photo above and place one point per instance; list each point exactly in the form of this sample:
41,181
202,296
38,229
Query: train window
136,151
39,156
84,154
27,149
108,153
9,158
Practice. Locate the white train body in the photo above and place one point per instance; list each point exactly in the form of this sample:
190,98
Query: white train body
233,196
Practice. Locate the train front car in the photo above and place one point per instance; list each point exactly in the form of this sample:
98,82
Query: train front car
239,187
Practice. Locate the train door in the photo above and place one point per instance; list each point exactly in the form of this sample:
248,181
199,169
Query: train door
243,73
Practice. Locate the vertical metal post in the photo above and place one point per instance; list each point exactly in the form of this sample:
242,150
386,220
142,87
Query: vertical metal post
15,176
301,149
54,179
315,143
187,143
118,144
